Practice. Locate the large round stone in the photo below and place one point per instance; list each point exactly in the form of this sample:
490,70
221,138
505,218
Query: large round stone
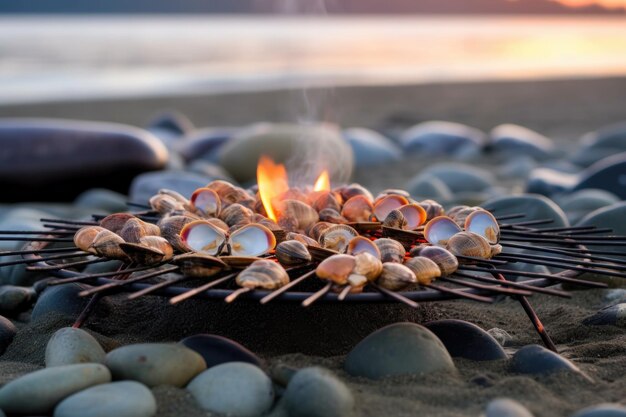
505,407
370,148
57,159
147,185
317,392
7,333
460,177
40,391
466,340
607,174
597,145
15,299
69,345
613,315
155,363
603,410
305,149
398,349
205,143
118,399
426,186
580,203
548,181
534,207
216,350
442,138
515,140
102,200
237,389
537,360
62,299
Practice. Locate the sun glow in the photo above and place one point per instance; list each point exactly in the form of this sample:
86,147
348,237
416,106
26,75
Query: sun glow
604,3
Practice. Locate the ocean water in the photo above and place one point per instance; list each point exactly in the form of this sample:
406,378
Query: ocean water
68,58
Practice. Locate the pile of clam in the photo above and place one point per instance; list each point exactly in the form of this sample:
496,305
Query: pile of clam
349,237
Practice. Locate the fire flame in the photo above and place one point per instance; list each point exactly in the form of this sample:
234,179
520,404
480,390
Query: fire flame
274,183
322,183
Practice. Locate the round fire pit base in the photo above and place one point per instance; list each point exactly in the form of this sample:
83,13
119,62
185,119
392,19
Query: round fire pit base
321,330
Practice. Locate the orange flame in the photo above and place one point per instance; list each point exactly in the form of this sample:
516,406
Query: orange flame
322,183
273,182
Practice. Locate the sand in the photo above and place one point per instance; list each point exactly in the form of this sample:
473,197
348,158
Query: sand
283,334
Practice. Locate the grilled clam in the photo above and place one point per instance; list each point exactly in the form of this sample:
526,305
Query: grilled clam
483,223
316,230
425,269
336,268
384,205
332,216
150,250
230,194
165,204
349,191
251,240
396,277
114,222
445,260
324,200
367,265
357,209
307,241
292,252
206,202
236,214
197,265
107,245
337,237
135,228
170,229
390,250
264,274
361,244
296,215
473,245
203,237
84,237
432,208
395,219
414,214
440,229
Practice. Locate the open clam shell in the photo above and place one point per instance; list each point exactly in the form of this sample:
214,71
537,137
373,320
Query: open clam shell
357,209
206,202
252,240
387,203
414,214
440,229
203,237
361,244
483,223
338,237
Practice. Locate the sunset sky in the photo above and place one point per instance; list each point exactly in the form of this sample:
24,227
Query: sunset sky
606,3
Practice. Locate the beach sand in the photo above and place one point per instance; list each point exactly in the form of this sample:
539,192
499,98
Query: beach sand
563,110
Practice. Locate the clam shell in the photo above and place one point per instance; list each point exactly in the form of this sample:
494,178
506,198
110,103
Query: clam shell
292,252
395,219
367,265
440,229
358,209
203,237
433,209
316,230
295,215
165,204
336,268
396,277
252,240
230,194
301,238
337,237
197,265
133,230
425,270
84,237
236,214
239,262
414,214
150,250
387,203
332,216
326,199
206,202
445,260
361,244
114,222
349,191
461,215
107,244
390,250
264,274
483,223
170,229
319,254
175,195
469,244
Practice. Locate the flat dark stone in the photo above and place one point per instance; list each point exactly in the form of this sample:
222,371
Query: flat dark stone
608,174
61,299
466,340
204,143
217,350
55,160
7,333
